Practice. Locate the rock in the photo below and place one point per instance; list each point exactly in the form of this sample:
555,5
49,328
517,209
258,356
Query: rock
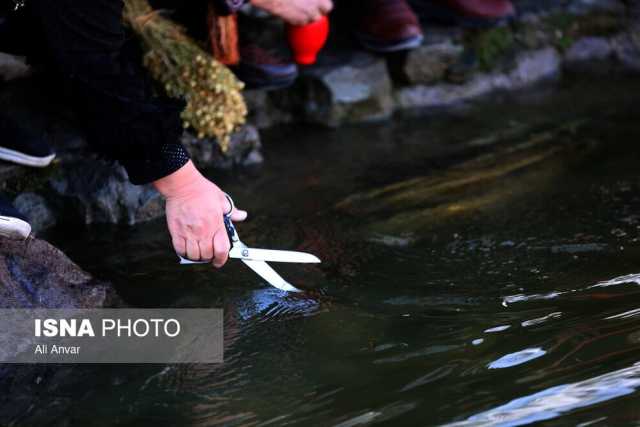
533,67
35,274
530,67
590,55
626,48
13,67
583,7
359,91
36,209
98,191
264,111
589,49
244,149
429,64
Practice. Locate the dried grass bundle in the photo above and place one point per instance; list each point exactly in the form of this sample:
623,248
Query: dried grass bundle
215,106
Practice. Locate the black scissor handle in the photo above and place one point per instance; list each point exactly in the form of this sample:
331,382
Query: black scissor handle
228,224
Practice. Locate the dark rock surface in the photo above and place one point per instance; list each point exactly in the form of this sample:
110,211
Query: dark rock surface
35,274
97,191
40,216
530,67
430,63
244,150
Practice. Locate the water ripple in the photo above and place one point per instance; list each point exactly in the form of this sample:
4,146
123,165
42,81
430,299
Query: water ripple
556,401
517,358
621,280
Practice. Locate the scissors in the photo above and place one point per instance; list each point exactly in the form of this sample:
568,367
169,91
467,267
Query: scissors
256,259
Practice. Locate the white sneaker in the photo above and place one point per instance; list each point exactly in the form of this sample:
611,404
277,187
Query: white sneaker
13,224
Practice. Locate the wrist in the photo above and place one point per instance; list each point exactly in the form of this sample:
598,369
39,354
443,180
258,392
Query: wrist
181,183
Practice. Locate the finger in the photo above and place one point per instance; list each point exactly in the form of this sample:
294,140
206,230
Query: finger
298,19
221,248
314,16
193,251
238,215
206,248
180,246
326,7
227,206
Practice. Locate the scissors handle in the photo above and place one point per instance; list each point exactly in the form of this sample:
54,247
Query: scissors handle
228,224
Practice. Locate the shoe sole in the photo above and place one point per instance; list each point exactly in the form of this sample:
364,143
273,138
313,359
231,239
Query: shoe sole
14,228
24,159
375,46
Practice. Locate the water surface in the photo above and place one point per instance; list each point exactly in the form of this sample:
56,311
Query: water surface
502,301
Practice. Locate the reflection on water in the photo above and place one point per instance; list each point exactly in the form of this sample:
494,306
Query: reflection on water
501,296
517,358
555,401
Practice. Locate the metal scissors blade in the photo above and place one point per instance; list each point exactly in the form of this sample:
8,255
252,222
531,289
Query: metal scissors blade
245,253
263,270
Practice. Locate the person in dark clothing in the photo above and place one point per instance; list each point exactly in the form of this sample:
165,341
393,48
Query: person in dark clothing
380,26
98,63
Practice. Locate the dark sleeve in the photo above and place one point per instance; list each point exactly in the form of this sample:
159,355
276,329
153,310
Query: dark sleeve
99,64
226,7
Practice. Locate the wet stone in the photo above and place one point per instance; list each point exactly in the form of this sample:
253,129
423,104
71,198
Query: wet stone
429,64
37,210
589,49
12,67
530,68
626,49
35,274
244,149
97,191
581,7
358,91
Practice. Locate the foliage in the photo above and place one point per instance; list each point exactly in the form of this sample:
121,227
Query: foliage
492,44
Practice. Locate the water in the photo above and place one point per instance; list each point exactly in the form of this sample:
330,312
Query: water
496,300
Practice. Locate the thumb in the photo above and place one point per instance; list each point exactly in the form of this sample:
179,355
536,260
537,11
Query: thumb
238,215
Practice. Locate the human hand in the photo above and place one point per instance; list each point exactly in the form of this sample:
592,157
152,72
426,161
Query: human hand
195,207
296,12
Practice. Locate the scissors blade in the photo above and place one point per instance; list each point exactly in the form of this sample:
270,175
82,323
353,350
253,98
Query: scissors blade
263,270
184,261
254,254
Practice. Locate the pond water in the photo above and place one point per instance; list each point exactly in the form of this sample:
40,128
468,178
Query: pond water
506,300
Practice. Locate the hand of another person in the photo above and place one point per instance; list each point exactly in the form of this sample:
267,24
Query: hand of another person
296,12
195,207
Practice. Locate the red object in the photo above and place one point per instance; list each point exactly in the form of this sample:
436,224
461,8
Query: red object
307,40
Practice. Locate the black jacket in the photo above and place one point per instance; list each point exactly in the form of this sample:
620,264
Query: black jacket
98,63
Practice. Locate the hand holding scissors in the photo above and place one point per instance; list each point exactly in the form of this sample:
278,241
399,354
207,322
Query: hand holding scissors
256,259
